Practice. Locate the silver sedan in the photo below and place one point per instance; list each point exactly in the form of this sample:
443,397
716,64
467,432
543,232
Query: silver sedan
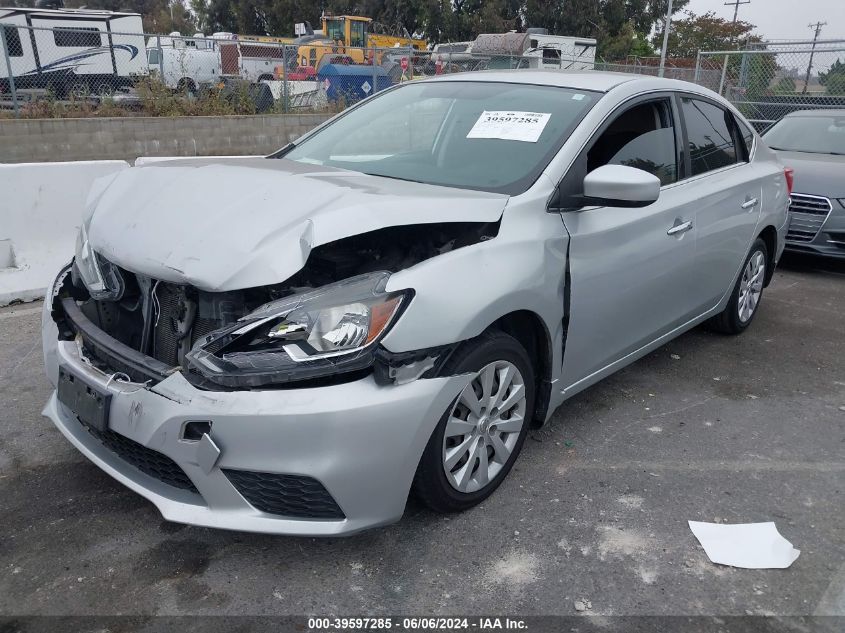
293,344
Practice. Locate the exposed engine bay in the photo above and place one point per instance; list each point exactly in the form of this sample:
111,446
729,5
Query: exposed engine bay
165,321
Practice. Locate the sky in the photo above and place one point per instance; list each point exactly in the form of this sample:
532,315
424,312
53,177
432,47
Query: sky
782,19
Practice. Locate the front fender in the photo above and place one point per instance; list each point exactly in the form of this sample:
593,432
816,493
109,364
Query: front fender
460,293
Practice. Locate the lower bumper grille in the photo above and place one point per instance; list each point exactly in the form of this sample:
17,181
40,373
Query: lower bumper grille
295,496
148,461
807,214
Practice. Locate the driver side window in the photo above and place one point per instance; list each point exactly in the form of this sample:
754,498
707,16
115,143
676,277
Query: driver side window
643,137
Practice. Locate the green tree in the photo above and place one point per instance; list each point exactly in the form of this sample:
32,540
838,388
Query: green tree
834,79
155,14
626,43
705,32
785,85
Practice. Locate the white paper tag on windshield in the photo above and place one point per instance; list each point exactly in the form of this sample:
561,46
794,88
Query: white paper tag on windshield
510,125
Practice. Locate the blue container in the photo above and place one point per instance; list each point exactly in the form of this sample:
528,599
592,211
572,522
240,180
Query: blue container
352,82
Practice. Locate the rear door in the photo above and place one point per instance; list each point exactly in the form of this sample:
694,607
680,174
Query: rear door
632,271
729,189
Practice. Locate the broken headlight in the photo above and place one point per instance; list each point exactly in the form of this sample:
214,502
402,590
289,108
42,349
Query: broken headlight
322,332
100,277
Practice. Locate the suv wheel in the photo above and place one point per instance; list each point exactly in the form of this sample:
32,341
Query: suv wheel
477,440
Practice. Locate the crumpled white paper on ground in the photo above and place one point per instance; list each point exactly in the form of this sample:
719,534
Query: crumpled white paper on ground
746,545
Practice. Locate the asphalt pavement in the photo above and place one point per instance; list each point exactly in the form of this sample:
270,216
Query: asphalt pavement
708,428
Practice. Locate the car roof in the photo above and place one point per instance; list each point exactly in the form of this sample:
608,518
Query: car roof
599,81
577,79
822,112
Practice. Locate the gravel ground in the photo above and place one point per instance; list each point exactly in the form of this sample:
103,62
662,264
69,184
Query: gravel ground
595,512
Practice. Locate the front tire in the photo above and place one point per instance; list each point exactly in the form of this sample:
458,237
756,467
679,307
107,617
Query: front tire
479,437
747,293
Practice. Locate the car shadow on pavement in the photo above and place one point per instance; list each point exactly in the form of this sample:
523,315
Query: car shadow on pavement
813,264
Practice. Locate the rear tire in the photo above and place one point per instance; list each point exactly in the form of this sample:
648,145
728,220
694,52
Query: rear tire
461,467
747,294
79,90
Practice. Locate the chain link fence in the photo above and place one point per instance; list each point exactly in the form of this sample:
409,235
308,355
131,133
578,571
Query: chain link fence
767,81
103,70
97,71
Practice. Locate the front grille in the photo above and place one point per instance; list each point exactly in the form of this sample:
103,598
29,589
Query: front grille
807,214
295,496
145,459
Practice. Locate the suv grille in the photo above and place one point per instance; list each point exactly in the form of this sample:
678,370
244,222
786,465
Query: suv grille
807,214
288,495
148,461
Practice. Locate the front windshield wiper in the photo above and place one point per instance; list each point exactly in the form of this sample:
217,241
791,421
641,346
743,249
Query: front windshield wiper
420,182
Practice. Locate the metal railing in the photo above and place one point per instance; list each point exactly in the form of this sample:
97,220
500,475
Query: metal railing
72,71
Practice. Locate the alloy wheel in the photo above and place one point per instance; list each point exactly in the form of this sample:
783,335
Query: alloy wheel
751,286
483,427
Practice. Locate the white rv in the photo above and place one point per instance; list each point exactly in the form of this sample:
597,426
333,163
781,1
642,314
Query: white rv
535,50
184,63
72,51
561,51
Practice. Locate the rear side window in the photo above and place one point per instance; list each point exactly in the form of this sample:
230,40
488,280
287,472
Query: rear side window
13,41
642,137
85,37
711,141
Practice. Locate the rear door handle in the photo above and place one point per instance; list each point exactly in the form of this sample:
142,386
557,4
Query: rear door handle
680,228
749,203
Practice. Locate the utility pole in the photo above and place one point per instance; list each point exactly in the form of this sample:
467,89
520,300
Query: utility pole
818,28
666,26
735,4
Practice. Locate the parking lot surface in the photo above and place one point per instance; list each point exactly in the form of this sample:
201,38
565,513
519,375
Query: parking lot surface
708,428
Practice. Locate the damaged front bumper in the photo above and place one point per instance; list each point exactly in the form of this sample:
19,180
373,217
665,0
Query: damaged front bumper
313,461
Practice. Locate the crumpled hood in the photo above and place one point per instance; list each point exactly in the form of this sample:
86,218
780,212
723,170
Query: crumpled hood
225,224
816,174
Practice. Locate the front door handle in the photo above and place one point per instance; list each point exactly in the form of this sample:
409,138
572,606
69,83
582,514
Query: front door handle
680,228
749,203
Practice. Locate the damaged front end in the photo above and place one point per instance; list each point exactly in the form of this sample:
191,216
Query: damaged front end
321,326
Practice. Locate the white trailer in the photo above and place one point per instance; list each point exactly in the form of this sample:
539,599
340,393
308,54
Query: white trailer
561,51
184,63
535,50
72,51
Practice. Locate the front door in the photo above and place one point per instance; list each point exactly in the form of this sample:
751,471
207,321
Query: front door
631,270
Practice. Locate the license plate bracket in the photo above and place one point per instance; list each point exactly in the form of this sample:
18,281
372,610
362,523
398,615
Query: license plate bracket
88,402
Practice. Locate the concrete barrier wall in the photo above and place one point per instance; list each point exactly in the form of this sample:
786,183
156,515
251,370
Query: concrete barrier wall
48,140
41,208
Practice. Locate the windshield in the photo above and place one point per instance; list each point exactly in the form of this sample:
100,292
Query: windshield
816,134
475,135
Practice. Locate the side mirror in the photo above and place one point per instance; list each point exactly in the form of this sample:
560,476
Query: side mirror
620,186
